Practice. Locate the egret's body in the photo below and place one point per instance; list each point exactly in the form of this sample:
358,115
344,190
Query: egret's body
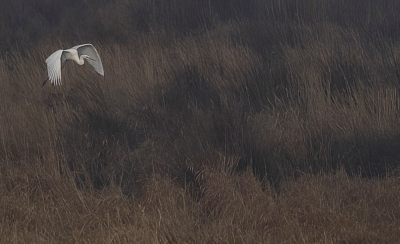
78,54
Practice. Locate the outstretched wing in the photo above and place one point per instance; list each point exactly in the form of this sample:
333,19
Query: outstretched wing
54,67
88,49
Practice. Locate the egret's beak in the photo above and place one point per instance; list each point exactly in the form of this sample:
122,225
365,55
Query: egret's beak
91,58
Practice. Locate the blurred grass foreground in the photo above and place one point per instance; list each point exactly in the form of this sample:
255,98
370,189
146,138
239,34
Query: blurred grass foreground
260,121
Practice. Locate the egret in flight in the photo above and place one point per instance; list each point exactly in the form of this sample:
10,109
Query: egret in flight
78,54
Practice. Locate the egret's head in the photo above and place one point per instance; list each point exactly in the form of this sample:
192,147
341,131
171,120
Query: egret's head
87,57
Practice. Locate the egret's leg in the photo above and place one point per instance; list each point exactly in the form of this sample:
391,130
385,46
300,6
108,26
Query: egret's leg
44,83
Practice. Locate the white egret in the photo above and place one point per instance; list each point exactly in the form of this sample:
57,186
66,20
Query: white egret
78,54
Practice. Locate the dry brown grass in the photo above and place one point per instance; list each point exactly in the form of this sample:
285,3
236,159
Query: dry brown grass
234,209
274,122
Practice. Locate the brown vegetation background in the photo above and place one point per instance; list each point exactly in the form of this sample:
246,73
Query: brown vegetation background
272,121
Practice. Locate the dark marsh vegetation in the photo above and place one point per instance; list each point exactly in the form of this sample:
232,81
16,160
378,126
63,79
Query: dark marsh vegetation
256,121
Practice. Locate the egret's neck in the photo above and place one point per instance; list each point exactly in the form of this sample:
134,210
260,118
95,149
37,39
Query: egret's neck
81,60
